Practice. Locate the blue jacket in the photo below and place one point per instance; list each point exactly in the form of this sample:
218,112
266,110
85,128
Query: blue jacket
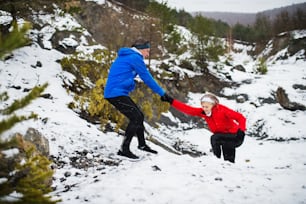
125,68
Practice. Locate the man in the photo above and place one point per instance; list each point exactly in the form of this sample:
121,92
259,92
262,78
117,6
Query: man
120,82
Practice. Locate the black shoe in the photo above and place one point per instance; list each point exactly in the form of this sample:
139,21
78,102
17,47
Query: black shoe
147,149
128,154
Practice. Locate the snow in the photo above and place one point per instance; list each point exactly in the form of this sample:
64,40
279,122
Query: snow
98,1
265,171
3,180
10,152
299,34
5,17
70,42
48,32
13,197
59,20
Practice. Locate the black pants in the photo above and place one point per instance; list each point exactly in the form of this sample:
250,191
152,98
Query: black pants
228,142
135,127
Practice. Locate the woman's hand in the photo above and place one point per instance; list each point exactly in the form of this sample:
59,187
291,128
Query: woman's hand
166,98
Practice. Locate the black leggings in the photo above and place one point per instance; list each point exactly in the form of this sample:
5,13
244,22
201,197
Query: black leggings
135,127
229,142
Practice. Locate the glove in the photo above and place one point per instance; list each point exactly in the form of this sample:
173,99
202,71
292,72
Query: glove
166,98
240,134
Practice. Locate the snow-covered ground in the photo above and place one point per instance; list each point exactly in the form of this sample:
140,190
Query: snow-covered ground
264,172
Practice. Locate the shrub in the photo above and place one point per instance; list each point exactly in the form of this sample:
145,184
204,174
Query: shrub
186,64
27,174
261,66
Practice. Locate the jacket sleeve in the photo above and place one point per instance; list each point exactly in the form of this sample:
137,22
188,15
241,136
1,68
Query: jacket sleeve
186,108
141,69
238,117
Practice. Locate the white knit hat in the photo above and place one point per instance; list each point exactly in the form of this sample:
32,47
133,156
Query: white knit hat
207,99
210,98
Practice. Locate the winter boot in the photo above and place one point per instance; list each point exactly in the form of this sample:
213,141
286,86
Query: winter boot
147,149
128,154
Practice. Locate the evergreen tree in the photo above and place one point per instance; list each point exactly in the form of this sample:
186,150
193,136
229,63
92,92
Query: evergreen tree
14,39
12,119
299,19
205,46
32,177
164,13
262,28
27,174
183,18
282,23
220,28
243,33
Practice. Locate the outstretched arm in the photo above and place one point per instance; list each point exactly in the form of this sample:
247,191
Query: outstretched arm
186,108
146,76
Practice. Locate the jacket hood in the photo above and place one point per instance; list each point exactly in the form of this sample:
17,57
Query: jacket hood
128,51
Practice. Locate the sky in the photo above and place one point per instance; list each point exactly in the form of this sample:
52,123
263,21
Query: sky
229,5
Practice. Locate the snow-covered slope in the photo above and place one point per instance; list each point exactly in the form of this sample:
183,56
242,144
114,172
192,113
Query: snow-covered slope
89,171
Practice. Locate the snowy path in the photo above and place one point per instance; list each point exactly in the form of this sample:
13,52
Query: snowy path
264,172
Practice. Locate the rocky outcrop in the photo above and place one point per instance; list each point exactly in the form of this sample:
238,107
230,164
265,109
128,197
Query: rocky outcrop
239,68
286,40
283,100
41,143
115,25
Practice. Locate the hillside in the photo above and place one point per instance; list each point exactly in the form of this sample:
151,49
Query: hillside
269,165
249,18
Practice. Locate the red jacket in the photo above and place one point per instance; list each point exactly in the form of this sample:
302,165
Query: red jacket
222,119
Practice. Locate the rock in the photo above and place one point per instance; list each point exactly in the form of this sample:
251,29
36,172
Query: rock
241,98
38,64
46,96
269,100
26,90
26,152
42,144
16,87
185,147
45,120
156,168
67,174
295,45
239,68
218,179
60,43
283,100
299,86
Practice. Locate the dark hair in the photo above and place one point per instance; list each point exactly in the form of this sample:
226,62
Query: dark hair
141,44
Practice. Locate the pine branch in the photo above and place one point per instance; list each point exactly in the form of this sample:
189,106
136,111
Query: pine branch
11,121
15,39
18,104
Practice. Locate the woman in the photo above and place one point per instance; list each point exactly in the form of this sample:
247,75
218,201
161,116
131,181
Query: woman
227,125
